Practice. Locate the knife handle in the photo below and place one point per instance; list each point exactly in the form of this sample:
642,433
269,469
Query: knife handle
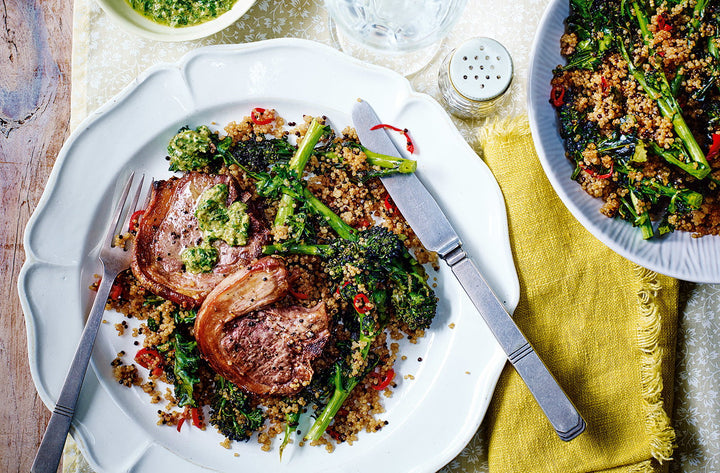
558,408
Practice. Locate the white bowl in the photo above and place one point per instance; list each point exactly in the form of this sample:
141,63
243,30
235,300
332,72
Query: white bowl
134,22
677,254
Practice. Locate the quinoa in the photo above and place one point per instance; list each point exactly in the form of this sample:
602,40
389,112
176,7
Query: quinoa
360,203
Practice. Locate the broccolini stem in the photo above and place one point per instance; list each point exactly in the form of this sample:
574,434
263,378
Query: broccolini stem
295,249
297,164
642,22
333,406
641,218
403,165
291,423
343,230
669,108
343,388
688,197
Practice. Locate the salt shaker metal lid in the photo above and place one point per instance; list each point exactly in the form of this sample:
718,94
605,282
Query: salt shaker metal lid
481,69
475,75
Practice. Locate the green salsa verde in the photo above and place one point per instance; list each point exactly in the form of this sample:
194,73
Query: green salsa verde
217,221
179,13
200,259
190,149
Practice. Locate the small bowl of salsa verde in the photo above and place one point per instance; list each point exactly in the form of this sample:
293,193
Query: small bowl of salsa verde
175,20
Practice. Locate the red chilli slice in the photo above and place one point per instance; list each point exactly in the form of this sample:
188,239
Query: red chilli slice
149,358
195,416
256,114
409,143
714,147
135,220
360,302
116,291
389,205
297,295
363,223
557,94
604,84
662,24
389,376
593,173
343,286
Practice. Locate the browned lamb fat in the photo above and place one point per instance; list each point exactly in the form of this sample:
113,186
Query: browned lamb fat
265,350
169,225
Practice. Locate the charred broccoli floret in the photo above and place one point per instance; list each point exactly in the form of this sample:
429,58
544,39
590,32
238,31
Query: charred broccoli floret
373,252
257,155
231,413
413,301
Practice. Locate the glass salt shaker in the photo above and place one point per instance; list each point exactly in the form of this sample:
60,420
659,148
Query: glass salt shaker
474,77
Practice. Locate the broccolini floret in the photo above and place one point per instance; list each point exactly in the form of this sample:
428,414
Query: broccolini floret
258,154
231,412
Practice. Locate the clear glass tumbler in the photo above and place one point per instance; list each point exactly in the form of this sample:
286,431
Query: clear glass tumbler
395,25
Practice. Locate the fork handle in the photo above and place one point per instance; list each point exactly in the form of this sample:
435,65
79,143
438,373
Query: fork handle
49,453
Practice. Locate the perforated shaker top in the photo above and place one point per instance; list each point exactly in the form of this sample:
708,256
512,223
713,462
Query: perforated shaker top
481,69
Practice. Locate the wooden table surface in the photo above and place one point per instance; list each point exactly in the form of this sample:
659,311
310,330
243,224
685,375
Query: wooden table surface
34,122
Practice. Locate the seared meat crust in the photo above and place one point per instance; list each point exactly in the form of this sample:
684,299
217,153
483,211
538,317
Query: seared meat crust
265,350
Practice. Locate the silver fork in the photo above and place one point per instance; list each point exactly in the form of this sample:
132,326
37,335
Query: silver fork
114,259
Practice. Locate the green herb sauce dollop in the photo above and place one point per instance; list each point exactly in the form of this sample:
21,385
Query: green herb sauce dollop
179,13
217,221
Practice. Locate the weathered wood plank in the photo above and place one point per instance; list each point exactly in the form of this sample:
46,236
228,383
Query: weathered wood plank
34,121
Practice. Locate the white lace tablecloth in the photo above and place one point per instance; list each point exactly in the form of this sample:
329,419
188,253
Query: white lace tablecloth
106,59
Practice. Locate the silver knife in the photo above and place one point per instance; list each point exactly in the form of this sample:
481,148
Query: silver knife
435,232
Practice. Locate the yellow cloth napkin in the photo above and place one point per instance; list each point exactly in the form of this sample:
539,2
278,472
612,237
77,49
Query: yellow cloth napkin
605,327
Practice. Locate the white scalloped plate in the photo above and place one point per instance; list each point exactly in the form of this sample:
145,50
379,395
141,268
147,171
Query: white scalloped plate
431,417
678,254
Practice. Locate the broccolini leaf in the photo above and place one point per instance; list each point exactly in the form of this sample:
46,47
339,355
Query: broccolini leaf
186,369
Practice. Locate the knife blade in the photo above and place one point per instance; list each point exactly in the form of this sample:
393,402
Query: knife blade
432,227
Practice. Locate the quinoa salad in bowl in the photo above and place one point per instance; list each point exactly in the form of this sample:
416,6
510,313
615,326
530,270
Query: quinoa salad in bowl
271,279
623,106
638,103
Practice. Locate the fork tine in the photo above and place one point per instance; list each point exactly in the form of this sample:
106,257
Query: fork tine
117,212
136,197
149,193
133,206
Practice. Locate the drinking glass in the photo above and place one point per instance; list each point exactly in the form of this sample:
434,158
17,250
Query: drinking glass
401,34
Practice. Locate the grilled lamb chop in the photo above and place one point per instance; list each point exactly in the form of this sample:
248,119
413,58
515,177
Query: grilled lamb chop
263,349
169,225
